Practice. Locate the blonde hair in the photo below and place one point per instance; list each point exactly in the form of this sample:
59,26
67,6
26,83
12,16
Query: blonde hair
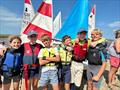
11,38
99,31
45,37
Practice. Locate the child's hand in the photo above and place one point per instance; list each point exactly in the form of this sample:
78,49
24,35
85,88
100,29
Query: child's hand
48,58
95,78
93,44
2,51
45,58
69,48
77,40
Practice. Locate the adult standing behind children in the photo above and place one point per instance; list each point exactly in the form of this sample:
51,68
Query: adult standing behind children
48,56
114,51
11,64
31,66
96,60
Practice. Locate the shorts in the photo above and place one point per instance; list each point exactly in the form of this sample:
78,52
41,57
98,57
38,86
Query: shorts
92,71
114,61
64,74
8,80
32,73
49,77
76,73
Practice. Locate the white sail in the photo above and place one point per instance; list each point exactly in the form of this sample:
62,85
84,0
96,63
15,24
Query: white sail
57,24
91,21
28,15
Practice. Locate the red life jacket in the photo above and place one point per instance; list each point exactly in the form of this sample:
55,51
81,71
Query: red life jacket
28,50
30,56
80,51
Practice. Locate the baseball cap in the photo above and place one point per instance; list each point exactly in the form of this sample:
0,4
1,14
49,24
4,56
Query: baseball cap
32,32
82,31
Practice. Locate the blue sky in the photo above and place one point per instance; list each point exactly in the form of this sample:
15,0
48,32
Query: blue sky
107,14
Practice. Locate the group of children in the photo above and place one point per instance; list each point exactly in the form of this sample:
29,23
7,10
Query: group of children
59,65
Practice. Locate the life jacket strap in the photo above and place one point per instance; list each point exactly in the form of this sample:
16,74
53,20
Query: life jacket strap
26,75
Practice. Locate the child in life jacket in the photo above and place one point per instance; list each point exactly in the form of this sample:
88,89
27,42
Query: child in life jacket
11,64
65,51
48,56
31,66
96,61
80,46
114,52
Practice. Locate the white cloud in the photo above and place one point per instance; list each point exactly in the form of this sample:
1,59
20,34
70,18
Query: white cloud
7,15
6,12
114,24
9,20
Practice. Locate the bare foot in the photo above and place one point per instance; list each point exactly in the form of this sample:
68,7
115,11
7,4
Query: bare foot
110,86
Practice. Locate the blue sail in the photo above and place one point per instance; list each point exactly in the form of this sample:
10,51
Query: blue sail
77,19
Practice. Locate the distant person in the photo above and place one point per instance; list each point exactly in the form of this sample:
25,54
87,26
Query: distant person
114,51
2,43
31,65
48,56
11,64
65,51
96,60
2,46
2,50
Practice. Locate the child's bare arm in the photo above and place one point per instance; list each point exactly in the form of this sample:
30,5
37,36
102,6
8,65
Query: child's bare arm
43,62
102,69
56,58
100,72
117,45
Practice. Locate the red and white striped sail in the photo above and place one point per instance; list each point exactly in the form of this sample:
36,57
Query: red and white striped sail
91,21
28,15
42,21
57,24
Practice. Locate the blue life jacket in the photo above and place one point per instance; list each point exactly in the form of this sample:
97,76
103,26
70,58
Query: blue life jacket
12,63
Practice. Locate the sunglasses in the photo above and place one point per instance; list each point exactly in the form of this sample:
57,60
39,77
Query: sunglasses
32,36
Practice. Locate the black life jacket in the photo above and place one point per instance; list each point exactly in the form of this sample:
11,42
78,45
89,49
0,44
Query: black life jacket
94,54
